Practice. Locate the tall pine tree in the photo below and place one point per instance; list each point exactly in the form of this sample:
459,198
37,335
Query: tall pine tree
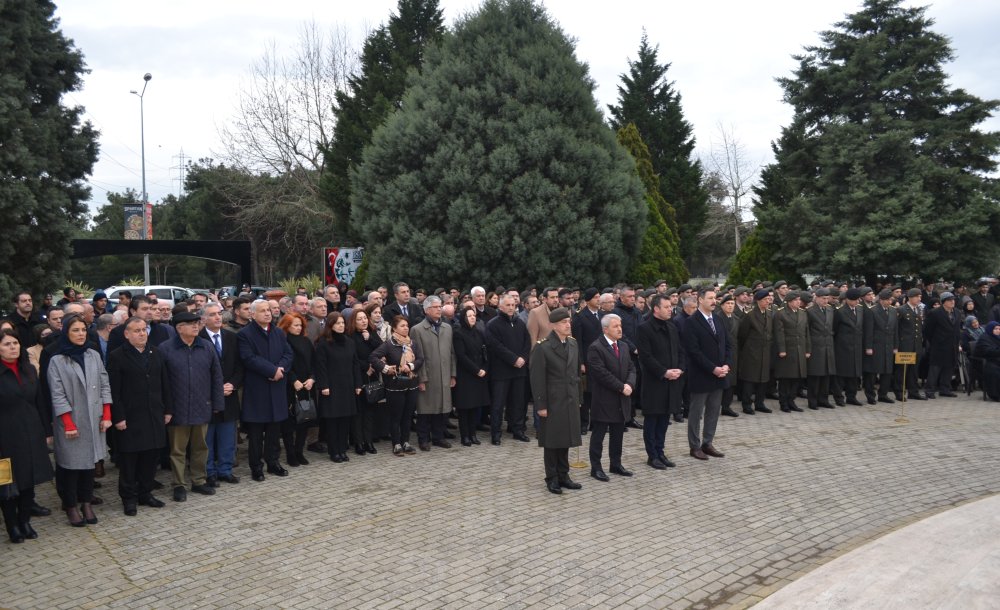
47,150
498,167
883,169
388,54
647,99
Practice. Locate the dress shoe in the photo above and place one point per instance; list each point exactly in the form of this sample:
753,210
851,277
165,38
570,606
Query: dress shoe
336,459
763,409
785,409
75,518
495,441
521,436
632,423
871,401
317,447
131,509
475,440
824,405
698,454
728,412
370,448
442,444
157,484
28,531
88,513
748,411
886,400
795,407
257,476
15,534
712,451
424,446
408,449
277,470
229,478
553,487
918,396
203,489
656,463
212,481
180,494
358,449
302,459
152,501
853,401
839,402
600,475
948,395
449,435
344,457
466,441
37,510
292,461
667,461
621,471
771,396
678,418
813,407
569,483
930,395
397,450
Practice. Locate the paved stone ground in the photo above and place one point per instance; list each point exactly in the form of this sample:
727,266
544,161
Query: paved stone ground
475,528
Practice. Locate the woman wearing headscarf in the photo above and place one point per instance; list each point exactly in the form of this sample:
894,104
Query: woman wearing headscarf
988,350
472,391
81,414
22,437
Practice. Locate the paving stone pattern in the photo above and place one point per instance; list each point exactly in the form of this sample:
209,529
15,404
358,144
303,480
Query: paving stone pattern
475,528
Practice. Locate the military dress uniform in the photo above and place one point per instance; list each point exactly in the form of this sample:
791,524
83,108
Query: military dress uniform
822,363
791,337
910,328
881,338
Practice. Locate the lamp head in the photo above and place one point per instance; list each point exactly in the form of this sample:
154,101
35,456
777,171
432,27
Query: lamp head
146,77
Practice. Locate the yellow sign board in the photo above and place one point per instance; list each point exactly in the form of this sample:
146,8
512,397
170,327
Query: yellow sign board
906,357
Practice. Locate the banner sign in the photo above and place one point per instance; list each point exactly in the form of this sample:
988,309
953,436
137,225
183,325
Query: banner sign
341,264
133,220
149,221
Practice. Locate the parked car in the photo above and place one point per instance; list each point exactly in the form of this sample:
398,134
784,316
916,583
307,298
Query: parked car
169,294
234,291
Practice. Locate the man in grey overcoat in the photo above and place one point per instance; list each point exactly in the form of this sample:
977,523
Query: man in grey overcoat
437,375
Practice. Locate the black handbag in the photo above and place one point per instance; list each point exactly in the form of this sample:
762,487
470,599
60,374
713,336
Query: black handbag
374,391
305,410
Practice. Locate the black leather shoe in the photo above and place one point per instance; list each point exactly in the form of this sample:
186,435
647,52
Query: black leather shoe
570,484
317,447
370,449
229,478
28,531
15,534
948,395
748,411
728,412
918,396
449,435
344,457
553,487
205,490
442,444
424,446
666,461
930,396
621,471
157,484
678,418
785,410
37,510
839,402
521,436
475,440
600,475
656,463
495,441
763,410
335,458
302,460
277,470
795,407
813,408
152,502
886,400
853,401
180,494
257,476
632,423
131,509
466,441
212,481
824,405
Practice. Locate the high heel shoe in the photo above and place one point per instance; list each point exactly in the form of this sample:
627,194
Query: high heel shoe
75,519
88,513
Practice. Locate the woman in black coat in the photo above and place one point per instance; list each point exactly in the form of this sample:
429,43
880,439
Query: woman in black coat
365,342
472,390
300,385
399,359
339,381
22,437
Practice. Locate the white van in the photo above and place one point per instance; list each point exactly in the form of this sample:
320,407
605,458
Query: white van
168,294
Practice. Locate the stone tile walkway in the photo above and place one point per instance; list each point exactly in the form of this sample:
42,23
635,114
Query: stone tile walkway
475,528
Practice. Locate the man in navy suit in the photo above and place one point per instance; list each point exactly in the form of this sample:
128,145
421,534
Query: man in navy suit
709,357
611,377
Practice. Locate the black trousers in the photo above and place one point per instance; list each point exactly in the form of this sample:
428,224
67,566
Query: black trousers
74,486
884,383
262,444
293,435
431,427
727,397
363,424
556,465
617,430
911,380
585,412
787,391
818,389
752,388
468,419
401,404
849,385
337,431
136,470
509,394
17,511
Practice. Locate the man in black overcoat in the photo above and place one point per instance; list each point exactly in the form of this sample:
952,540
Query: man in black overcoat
848,332
881,339
943,333
661,358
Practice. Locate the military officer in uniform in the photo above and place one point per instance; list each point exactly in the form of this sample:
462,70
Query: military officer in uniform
881,340
555,383
791,335
848,331
910,326
821,366
754,337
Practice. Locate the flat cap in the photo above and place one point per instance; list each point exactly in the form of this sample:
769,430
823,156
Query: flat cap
558,314
590,293
184,316
885,294
946,296
913,292
853,294
740,290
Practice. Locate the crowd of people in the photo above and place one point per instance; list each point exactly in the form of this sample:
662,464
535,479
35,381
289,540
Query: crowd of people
146,385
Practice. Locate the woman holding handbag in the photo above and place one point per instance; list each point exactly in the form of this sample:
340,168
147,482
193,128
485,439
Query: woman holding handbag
399,359
365,342
22,437
338,378
300,388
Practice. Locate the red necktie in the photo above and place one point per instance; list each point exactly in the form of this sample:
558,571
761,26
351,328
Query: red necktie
615,347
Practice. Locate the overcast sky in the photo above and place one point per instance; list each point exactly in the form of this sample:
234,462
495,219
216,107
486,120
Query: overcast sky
725,55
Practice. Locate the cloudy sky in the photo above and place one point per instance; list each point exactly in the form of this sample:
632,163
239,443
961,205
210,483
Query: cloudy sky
725,55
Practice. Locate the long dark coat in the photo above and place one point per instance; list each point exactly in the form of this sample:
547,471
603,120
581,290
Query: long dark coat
882,337
732,324
303,367
586,329
848,332
22,435
660,349
555,383
705,352
363,350
791,337
910,323
232,372
822,361
471,390
264,401
337,370
755,337
139,390
607,375
943,333
507,339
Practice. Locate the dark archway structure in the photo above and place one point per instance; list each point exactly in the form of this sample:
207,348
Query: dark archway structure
235,252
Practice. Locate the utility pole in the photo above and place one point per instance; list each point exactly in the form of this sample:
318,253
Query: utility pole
145,198
181,168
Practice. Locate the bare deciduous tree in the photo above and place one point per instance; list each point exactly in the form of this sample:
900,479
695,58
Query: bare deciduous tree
734,177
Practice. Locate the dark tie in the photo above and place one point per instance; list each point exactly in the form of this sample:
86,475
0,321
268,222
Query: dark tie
614,346
711,324
218,344
403,308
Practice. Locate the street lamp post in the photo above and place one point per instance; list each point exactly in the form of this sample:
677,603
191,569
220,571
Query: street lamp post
142,136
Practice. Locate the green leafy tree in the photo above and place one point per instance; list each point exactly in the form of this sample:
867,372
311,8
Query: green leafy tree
755,262
373,93
47,149
647,99
659,257
883,168
498,168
